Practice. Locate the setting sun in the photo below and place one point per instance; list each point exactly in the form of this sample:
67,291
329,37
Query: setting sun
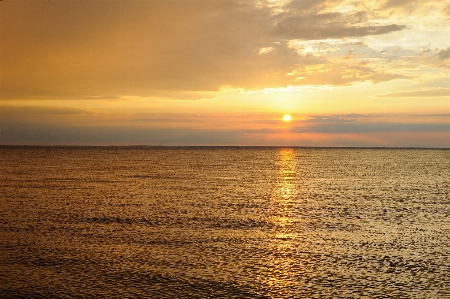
287,117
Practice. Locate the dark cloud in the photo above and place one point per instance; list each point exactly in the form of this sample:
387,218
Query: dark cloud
370,127
27,133
313,6
331,25
26,111
399,4
442,115
444,54
372,123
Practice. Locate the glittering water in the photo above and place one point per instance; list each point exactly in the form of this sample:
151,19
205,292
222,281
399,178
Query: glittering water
224,222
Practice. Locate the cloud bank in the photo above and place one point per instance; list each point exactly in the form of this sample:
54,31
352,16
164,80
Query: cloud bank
93,48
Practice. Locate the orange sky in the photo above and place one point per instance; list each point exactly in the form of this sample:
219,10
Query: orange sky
368,73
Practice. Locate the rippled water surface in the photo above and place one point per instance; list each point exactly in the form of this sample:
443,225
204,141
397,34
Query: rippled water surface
224,222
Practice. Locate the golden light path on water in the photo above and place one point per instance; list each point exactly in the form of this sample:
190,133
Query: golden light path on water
281,244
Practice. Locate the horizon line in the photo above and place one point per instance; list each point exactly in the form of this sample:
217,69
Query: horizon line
138,146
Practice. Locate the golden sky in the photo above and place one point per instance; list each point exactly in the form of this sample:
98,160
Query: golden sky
223,72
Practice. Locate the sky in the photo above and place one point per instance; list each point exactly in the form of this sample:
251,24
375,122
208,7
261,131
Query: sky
224,72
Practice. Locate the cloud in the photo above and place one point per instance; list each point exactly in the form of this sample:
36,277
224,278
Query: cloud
40,110
444,54
178,48
446,11
138,47
358,124
408,7
346,118
425,93
182,95
12,117
24,134
306,5
383,77
33,125
343,73
403,4
366,127
331,25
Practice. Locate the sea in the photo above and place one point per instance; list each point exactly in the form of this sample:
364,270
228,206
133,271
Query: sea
224,222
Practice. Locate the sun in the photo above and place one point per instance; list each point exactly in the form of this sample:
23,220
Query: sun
287,118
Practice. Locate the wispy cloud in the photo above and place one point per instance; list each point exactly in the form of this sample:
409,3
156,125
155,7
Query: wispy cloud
425,93
361,127
331,25
25,111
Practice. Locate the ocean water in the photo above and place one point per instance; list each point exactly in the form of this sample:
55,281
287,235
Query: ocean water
224,223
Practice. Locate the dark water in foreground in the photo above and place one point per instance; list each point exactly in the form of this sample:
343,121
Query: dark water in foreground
224,223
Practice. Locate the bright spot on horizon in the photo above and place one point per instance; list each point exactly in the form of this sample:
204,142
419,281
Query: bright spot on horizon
287,118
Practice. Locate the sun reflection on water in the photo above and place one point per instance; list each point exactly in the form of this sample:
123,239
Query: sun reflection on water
281,245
